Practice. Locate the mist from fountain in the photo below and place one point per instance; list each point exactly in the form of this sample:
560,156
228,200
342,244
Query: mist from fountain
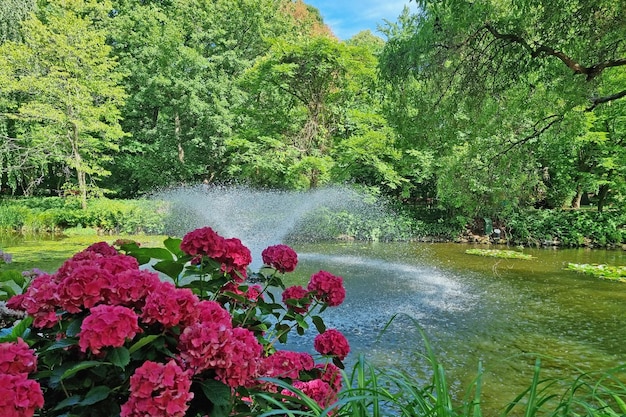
258,217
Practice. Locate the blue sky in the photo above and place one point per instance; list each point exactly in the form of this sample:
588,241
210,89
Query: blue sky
348,17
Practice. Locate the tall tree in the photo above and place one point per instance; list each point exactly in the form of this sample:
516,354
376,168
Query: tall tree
184,58
486,84
68,89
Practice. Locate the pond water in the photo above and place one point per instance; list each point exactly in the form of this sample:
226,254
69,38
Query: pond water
501,313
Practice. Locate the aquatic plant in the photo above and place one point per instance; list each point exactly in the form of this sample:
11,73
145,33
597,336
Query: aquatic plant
611,272
499,253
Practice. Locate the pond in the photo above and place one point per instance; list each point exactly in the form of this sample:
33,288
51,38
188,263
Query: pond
498,312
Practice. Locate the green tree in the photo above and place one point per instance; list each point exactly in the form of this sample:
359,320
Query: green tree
490,86
68,89
184,59
12,13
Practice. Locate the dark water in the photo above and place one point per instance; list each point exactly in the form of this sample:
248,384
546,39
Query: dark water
502,313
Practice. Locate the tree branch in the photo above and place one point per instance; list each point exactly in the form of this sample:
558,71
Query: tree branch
591,71
555,118
599,100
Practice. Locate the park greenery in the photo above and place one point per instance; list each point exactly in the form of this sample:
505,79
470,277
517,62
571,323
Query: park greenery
464,110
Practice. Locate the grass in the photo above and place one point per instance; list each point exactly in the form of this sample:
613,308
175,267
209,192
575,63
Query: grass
499,253
614,273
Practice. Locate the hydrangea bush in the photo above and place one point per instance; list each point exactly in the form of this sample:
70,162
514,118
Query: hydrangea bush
104,337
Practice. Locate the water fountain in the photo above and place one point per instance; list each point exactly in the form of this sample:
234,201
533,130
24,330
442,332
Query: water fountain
258,217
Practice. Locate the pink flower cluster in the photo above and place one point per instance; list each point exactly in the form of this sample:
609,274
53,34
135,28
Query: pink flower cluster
117,301
280,257
323,287
19,396
332,343
107,326
213,344
158,390
231,253
327,288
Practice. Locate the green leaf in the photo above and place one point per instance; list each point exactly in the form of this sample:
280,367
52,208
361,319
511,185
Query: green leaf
12,276
74,327
170,268
142,342
68,402
96,394
220,395
10,288
119,357
301,321
319,324
19,329
79,367
173,245
62,344
157,253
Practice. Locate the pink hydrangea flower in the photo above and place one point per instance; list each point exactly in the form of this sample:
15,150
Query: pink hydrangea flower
204,242
117,264
331,374
332,343
40,300
170,306
242,355
84,288
107,326
316,389
158,390
17,358
287,364
280,257
130,288
236,259
299,294
327,288
103,249
201,345
19,396
213,312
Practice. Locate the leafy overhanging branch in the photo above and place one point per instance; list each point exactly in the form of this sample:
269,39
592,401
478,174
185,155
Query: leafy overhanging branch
591,71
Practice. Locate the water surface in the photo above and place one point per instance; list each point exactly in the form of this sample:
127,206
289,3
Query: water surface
502,313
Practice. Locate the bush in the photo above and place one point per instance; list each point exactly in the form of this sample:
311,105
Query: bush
568,227
106,338
52,214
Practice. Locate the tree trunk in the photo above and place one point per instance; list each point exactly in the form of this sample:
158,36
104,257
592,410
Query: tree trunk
604,191
577,199
80,172
181,151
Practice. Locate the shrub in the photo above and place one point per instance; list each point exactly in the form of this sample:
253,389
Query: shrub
109,338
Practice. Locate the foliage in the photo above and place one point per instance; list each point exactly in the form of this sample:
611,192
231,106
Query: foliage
64,93
57,214
566,227
127,331
512,97
499,253
611,272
